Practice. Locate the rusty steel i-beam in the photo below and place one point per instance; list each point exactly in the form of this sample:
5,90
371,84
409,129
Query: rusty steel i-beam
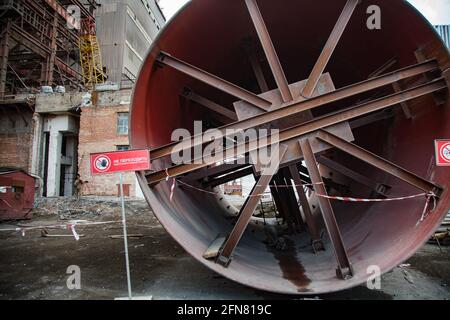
295,132
313,103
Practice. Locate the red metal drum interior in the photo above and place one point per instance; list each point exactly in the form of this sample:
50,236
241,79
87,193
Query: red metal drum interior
386,87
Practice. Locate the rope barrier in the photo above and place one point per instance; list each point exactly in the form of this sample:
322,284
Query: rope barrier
172,188
429,196
71,226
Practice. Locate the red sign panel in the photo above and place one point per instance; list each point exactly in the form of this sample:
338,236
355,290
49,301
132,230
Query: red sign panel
442,152
122,161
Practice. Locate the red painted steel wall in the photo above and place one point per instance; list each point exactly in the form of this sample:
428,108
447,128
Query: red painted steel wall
17,195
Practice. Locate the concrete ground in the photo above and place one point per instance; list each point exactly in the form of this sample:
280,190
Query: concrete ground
34,267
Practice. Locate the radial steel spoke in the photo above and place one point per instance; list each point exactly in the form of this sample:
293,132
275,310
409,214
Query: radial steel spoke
312,226
379,162
386,66
329,48
247,212
308,127
211,105
404,105
310,104
269,50
295,219
250,48
397,88
355,176
275,191
230,177
214,171
214,81
438,99
344,269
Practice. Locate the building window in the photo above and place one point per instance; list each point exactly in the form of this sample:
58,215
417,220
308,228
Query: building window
122,148
122,123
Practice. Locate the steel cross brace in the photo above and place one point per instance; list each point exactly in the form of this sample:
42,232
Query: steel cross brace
344,269
225,253
305,128
296,107
379,162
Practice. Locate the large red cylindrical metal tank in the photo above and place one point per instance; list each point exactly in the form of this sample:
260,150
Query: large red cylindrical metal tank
212,35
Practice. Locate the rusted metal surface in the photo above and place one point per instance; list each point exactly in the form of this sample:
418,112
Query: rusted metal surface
230,177
344,269
16,194
329,48
302,129
250,48
389,153
380,163
246,213
188,94
377,187
323,100
214,81
269,49
316,241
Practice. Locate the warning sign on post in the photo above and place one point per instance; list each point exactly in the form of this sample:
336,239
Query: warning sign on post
121,161
442,152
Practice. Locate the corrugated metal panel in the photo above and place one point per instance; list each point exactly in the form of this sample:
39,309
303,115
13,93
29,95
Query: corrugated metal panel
444,32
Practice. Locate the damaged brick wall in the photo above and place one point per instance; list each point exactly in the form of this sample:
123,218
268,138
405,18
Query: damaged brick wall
16,137
99,133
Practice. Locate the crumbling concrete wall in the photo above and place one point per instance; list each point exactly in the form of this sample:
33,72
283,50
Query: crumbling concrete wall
98,133
58,102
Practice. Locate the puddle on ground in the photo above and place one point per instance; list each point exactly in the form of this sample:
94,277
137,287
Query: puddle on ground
290,265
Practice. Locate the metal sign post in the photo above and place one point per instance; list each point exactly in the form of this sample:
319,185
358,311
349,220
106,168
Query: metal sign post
120,162
125,237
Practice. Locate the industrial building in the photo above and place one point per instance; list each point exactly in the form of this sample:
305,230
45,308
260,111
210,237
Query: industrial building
45,98
126,29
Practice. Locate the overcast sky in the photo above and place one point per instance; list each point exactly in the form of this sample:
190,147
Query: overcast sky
437,11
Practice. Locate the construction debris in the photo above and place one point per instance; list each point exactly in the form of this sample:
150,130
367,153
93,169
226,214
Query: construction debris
45,234
68,208
408,277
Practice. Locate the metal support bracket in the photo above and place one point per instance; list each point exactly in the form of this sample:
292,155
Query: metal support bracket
344,268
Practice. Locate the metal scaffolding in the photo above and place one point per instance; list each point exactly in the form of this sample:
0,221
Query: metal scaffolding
39,44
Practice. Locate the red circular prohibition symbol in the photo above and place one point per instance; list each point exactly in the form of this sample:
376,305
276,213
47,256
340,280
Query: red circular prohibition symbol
445,152
102,163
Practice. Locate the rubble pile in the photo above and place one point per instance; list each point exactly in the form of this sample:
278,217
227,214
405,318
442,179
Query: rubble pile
68,207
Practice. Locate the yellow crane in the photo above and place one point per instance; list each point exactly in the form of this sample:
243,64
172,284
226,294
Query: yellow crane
90,55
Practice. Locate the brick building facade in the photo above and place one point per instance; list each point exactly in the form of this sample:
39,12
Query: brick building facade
16,137
104,128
